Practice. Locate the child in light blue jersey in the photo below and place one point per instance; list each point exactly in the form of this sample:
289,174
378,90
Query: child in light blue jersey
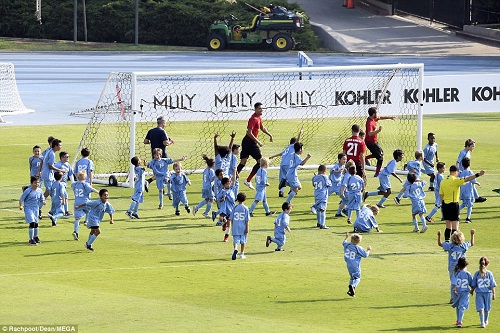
30,201
240,216
226,199
437,185
286,155
59,197
384,178
219,175
207,189
35,162
96,213
292,176
281,225
321,184
233,168
414,189
415,167
138,196
430,159
85,164
456,249
467,189
468,148
461,282
48,166
337,173
179,182
223,155
366,220
483,283
352,187
352,256
81,191
159,166
63,164
261,184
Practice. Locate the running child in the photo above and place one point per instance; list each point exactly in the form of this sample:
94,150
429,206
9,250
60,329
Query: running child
85,164
64,165
430,158
96,213
81,190
30,201
437,184
461,282
35,162
415,167
352,187
179,182
385,178
286,155
281,225
467,189
456,249
321,184
240,217
337,172
292,176
352,256
366,220
59,197
483,283
207,189
261,184
226,201
414,189
138,196
159,166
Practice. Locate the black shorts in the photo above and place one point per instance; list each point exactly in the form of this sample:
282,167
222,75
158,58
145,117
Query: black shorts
451,211
250,148
376,150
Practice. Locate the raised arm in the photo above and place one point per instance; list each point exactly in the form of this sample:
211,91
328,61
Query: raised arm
216,144
472,233
439,238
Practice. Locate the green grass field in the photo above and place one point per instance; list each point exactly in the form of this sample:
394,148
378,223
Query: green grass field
167,273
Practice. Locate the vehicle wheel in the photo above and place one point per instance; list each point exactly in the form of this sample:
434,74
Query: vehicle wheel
216,43
112,181
282,42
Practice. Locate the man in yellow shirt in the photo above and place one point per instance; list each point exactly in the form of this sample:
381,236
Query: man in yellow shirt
449,192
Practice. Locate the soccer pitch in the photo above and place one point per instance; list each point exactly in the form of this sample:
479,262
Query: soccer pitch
167,273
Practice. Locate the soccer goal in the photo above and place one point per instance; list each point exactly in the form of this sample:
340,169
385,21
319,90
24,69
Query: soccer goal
325,103
10,100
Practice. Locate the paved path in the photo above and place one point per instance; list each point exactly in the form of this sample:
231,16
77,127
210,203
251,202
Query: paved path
364,32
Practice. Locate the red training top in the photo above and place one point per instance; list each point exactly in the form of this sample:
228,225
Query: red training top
354,147
371,125
254,124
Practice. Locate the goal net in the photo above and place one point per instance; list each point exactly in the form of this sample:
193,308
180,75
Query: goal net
10,100
324,101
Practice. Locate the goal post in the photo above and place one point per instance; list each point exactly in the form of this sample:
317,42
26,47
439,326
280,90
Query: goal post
199,103
10,100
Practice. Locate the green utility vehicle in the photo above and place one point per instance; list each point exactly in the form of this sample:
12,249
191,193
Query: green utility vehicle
273,25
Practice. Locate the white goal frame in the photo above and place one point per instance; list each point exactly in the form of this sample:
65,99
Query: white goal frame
130,108
10,100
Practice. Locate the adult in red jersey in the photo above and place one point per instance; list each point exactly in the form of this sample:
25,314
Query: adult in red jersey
371,137
355,149
250,145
